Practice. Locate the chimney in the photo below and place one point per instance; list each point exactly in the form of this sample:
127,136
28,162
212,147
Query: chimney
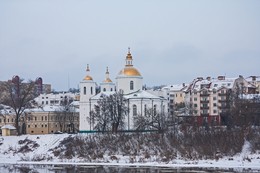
240,76
183,84
208,78
253,78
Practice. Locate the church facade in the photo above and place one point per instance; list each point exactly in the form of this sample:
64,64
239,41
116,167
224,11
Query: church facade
130,81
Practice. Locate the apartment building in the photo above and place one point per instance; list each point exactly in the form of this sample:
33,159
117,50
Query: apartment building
208,99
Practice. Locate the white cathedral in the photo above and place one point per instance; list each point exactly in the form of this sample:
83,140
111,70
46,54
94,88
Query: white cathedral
130,81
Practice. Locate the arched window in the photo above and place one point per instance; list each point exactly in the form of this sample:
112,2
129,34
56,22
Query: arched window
91,90
104,89
84,90
111,89
131,85
134,110
154,109
145,110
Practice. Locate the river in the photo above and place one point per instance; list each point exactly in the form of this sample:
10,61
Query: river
18,168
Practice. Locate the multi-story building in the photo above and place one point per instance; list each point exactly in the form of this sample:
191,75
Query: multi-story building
44,120
175,97
56,99
51,119
208,99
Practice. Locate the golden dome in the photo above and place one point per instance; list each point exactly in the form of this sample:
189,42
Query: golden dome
129,71
107,80
88,78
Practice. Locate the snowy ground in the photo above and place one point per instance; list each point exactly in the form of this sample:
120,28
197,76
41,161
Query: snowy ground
9,154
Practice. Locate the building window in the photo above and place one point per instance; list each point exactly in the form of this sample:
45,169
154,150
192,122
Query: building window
84,90
45,118
0,120
180,95
215,104
154,109
134,110
104,89
91,90
145,110
35,118
214,111
111,89
195,105
214,98
205,111
42,102
131,85
195,98
46,102
35,125
28,126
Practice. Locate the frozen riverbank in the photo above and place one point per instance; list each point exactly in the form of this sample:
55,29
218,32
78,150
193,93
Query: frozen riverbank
40,149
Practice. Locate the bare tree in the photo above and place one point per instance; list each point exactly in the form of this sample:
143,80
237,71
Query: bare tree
109,113
19,96
65,116
152,120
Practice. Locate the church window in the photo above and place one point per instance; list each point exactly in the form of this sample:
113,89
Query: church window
154,109
131,85
134,110
85,90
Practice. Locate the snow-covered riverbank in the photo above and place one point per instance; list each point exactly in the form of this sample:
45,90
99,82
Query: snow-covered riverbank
35,149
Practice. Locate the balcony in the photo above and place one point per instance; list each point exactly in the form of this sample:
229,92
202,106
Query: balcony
222,94
204,101
204,94
204,107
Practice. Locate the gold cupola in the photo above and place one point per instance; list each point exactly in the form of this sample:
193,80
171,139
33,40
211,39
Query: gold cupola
88,77
129,70
107,80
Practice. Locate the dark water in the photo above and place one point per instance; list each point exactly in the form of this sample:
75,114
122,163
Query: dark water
10,168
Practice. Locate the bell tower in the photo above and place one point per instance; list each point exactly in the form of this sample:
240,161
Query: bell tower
87,90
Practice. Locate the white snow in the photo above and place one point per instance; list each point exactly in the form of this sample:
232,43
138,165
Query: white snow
8,126
9,144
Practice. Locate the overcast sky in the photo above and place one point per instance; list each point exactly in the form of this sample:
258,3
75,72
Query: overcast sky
171,41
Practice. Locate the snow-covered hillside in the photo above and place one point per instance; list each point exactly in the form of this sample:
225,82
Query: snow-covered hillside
50,149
